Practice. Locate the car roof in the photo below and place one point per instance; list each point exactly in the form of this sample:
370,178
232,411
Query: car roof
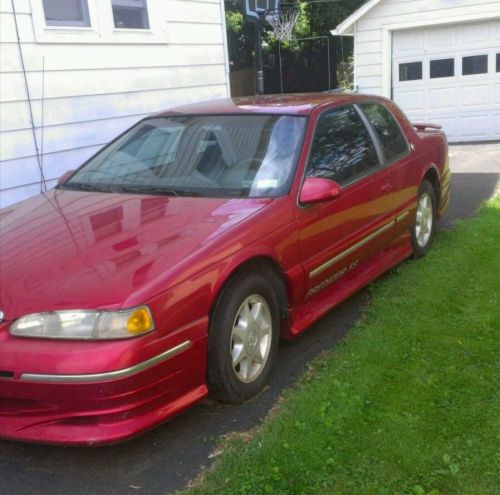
288,104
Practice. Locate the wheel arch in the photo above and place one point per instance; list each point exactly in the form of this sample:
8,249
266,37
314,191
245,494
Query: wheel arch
264,262
431,174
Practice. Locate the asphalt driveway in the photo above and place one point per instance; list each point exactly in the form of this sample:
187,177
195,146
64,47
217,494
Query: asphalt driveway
166,458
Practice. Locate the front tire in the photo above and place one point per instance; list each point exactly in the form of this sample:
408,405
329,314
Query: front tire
243,339
422,230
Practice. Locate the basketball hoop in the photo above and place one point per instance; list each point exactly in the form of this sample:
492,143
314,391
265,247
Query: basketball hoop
283,22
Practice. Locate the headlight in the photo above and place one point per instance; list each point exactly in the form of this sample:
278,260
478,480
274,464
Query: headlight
85,324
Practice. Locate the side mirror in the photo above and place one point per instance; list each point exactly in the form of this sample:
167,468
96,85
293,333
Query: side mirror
318,190
64,177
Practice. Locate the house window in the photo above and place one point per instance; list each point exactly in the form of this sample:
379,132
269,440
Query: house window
130,14
476,64
67,13
498,62
411,71
442,68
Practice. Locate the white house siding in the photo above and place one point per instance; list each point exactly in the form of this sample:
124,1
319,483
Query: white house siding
372,51
98,81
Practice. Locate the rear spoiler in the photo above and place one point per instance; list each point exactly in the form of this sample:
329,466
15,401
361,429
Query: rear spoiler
422,126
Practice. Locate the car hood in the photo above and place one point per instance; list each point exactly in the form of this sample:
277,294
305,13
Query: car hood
78,250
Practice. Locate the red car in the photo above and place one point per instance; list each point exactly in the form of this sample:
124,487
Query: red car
168,266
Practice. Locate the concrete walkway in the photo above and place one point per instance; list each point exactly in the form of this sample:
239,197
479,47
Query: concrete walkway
481,158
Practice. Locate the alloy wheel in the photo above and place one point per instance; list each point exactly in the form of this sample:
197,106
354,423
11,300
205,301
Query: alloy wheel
424,220
251,338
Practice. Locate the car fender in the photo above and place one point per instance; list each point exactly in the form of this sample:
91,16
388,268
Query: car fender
293,279
194,297
288,264
242,258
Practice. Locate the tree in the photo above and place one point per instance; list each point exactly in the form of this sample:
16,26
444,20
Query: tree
325,15
303,60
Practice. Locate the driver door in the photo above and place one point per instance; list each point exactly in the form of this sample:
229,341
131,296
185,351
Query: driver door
336,236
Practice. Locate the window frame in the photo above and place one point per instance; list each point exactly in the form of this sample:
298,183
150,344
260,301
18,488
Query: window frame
85,23
120,29
356,178
101,30
386,162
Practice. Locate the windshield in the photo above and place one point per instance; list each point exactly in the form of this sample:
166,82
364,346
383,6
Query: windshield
207,155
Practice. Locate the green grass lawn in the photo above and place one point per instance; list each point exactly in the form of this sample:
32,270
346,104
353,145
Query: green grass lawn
408,403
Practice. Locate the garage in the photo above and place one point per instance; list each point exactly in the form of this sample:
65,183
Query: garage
439,60
450,75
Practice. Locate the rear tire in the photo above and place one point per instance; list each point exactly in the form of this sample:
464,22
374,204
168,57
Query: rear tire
243,338
423,227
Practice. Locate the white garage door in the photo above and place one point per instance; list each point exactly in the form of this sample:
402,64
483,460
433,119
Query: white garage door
450,75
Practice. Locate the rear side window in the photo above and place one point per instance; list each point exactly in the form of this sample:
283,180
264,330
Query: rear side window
342,148
388,130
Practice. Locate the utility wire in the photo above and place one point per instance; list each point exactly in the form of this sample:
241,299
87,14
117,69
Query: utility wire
43,185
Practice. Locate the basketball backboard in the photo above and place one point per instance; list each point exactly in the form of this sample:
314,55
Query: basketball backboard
253,7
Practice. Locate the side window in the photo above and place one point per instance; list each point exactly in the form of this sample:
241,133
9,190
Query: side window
68,13
130,14
342,147
387,129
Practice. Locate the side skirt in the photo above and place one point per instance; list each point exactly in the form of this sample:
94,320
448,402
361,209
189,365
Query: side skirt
305,315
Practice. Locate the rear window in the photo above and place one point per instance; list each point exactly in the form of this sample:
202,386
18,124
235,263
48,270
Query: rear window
390,134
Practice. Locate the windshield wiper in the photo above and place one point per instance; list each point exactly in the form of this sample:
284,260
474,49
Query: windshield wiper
147,190
82,186
158,190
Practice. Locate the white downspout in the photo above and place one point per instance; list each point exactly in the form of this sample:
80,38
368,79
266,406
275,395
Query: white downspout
226,50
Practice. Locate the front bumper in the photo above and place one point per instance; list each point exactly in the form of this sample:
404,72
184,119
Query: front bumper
107,407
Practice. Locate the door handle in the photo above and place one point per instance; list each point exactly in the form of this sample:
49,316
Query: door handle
386,187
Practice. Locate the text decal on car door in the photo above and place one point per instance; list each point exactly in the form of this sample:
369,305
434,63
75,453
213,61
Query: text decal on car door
332,278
